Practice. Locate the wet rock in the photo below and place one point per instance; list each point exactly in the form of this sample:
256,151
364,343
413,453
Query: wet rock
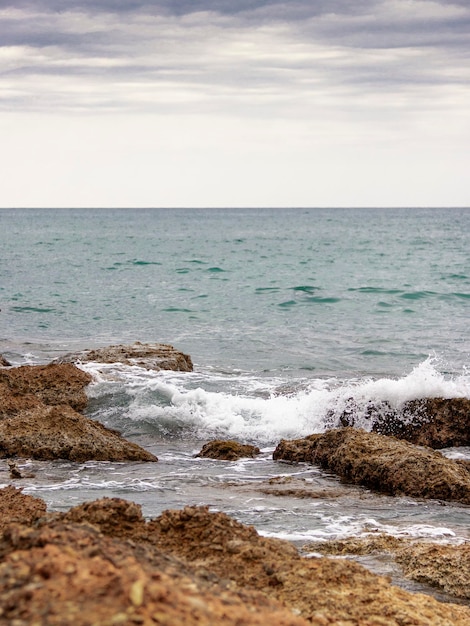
433,422
446,567
296,450
39,418
369,544
59,432
383,464
294,487
152,356
4,362
27,386
227,450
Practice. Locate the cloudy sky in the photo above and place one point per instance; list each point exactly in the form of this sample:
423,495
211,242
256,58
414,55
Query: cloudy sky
130,103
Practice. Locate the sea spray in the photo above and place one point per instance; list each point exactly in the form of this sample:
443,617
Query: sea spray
207,404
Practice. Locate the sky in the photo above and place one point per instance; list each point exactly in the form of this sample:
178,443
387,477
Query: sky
226,103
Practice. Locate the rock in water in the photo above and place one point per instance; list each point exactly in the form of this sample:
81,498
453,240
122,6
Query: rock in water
59,432
152,356
50,384
39,418
382,463
227,450
433,422
445,567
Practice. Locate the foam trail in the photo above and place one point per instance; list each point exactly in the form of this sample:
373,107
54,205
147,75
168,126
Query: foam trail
248,408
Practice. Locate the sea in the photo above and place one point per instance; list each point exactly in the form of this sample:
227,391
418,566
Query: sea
287,314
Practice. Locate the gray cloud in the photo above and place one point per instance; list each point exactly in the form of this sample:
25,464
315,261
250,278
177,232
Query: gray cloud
207,53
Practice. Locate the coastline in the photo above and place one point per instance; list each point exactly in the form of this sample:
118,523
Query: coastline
253,572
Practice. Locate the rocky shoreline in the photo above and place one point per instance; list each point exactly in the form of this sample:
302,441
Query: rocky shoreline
102,563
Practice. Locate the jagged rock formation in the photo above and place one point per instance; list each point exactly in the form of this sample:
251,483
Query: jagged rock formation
59,432
382,463
102,563
152,356
39,418
433,422
26,386
445,567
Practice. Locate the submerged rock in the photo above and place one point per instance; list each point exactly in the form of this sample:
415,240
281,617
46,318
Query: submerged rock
152,356
432,422
382,463
227,450
102,563
59,432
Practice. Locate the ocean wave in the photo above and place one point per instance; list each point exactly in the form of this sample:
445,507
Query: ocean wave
247,407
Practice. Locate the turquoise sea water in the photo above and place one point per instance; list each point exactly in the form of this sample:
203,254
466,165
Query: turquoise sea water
286,313
337,291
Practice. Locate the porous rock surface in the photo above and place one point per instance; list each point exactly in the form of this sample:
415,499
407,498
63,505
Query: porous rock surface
433,422
59,432
102,563
60,572
227,450
16,507
39,418
382,463
444,566
152,356
29,385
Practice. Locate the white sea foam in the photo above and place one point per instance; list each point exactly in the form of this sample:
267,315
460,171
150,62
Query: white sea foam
246,407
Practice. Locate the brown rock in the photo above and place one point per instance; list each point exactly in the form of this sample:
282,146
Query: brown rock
290,486
369,544
152,356
227,450
59,432
69,574
383,464
185,568
39,418
113,516
296,450
433,422
23,387
321,590
15,507
444,566
4,362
